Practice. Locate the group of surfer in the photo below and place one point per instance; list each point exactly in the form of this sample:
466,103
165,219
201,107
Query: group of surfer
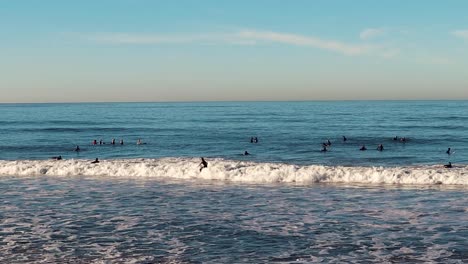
113,142
380,147
121,142
204,164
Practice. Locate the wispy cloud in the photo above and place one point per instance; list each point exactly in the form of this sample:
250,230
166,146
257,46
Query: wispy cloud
461,33
301,40
370,33
243,37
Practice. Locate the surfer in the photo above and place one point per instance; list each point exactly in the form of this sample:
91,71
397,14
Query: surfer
449,151
449,165
113,141
246,153
324,148
403,139
380,147
363,148
344,139
95,161
139,142
395,138
251,140
77,149
121,142
101,142
203,164
94,142
255,140
328,142
57,158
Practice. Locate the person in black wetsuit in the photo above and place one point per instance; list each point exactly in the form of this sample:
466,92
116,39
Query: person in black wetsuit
203,164
246,153
95,161
380,147
344,139
57,158
363,148
449,165
449,151
77,149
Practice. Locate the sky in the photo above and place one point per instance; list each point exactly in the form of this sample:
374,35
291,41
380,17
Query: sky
211,50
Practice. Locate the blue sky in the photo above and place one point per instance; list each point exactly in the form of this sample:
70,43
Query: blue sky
75,51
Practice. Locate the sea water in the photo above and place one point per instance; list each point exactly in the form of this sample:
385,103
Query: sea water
286,202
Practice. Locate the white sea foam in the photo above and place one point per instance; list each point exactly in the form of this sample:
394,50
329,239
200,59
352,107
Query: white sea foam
238,171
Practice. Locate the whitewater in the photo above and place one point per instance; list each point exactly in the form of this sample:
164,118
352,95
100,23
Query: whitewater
238,171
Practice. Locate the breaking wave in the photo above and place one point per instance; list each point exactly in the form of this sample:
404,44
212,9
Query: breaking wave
238,171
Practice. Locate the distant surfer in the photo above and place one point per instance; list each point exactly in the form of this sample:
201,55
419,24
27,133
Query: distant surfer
449,165
57,158
449,151
121,142
344,139
95,161
94,142
324,148
113,141
395,138
380,147
363,148
101,142
246,153
139,142
255,140
403,139
203,164
77,149
251,140
328,142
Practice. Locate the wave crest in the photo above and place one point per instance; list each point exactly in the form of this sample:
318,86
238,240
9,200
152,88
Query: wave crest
238,171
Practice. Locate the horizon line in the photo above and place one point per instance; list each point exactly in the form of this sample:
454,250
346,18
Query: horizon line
236,101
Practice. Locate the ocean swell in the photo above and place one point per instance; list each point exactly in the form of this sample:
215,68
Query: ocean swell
238,171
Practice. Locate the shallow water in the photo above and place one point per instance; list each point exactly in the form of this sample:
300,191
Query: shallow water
108,220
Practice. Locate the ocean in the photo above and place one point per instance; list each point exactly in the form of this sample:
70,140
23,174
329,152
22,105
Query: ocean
286,202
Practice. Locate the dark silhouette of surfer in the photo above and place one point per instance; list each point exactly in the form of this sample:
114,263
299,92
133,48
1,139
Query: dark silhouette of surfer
344,139
449,165
203,164
449,151
95,161
380,147
57,158
246,153
324,148
363,148
77,149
